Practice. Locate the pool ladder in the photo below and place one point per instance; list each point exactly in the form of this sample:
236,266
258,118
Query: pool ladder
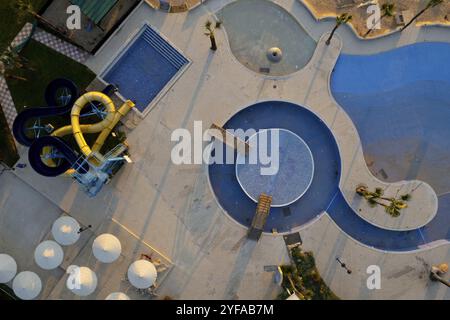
164,48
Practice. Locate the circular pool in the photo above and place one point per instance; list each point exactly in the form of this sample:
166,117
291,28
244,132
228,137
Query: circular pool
279,164
307,187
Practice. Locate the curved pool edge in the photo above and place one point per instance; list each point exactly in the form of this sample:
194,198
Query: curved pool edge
282,6
351,27
317,65
312,107
348,185
421,248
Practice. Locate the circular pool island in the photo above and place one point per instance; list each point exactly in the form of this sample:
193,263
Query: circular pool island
279,164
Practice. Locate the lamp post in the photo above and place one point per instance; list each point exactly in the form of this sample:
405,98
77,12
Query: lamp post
343,265
84,229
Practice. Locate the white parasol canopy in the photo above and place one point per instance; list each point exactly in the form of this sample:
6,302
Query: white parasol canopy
48,255
65,231
117,296
8,268
27,285
142,274
106,248
82,281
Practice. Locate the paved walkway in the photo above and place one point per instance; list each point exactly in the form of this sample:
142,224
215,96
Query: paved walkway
173,208
61,46
7,103
6,100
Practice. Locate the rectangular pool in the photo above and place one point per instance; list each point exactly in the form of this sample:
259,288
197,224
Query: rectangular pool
146,68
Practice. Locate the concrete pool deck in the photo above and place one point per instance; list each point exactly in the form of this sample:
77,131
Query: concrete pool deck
173,209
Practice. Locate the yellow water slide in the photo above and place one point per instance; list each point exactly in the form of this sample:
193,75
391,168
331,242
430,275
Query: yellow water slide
104,127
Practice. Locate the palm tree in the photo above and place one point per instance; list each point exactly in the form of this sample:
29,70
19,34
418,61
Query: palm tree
10,61
388,11
340,20
27,7
392,206
430,4
210,33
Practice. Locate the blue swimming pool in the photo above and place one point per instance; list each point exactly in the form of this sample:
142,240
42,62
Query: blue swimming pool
400,103
323,194
145,68
323,187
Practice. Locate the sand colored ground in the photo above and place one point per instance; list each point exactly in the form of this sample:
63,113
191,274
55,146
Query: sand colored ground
439,15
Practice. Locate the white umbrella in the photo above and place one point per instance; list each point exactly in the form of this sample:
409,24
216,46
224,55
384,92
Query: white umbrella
106,248
48,255
82,281
117,296
27,285
142,274
8,268
65,231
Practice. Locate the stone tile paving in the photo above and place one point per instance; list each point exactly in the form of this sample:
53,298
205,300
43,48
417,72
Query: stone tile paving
60,46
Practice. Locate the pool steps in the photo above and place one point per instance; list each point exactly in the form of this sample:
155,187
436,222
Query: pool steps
164,48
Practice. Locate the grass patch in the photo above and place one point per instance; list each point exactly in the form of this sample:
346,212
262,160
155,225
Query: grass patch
304,279
48,65
12,21
8,151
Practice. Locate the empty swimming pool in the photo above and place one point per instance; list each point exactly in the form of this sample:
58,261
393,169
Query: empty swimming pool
256,27
145,68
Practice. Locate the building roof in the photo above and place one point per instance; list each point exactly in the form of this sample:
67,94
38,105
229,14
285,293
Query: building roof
96,10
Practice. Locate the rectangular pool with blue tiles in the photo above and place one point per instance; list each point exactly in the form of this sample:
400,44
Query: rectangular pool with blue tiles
145,68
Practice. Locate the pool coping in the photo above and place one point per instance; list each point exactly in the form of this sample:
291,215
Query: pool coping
122,51
385,185
268,76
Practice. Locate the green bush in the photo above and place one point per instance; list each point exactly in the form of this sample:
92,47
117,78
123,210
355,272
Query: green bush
305,277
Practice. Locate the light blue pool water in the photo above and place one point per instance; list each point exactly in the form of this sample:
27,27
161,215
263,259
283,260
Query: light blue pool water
145,68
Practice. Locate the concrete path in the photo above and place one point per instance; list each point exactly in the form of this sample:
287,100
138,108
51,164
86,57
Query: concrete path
173,209
61,46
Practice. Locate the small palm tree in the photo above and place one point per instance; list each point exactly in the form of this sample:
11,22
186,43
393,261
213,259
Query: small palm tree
210,32
388,10
11,61
340,20
430,4
392,206
28,7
